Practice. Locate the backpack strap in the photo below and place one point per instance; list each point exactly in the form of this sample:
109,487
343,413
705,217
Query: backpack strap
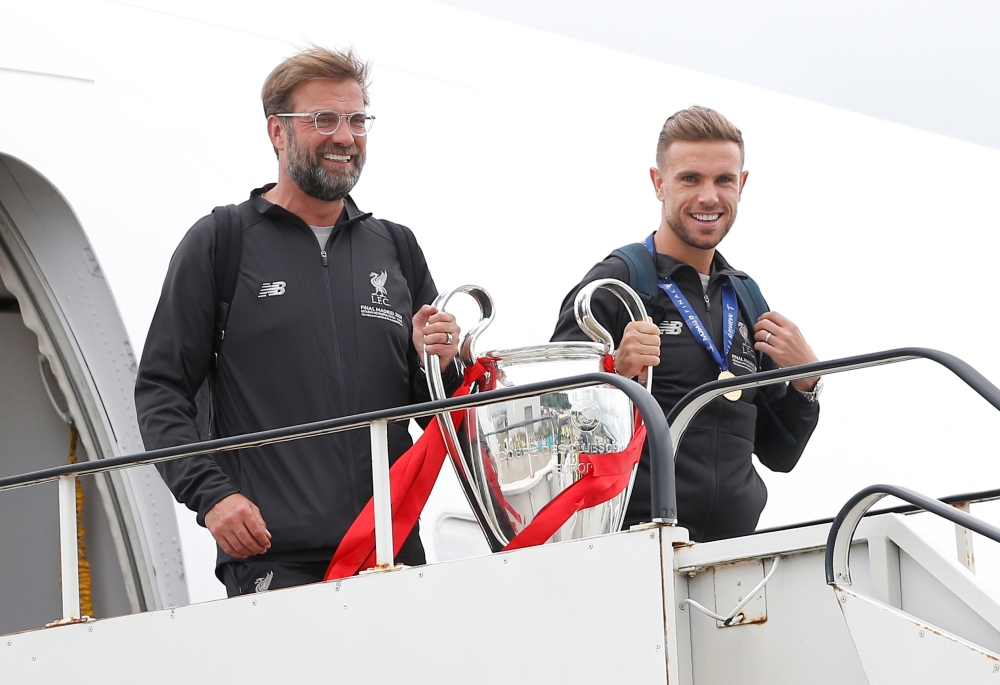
228,251
753,304
751,299
641,270
228,241
406,247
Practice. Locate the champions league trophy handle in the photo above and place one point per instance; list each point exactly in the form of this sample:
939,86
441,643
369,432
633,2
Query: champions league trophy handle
592,327
435,383
466,350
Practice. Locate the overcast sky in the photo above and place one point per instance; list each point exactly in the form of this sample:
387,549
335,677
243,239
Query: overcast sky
929,64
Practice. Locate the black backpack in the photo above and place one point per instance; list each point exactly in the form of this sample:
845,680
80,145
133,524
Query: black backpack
642,279
226,267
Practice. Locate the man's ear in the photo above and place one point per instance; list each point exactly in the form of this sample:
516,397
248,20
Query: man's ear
277,132
743,182
657,178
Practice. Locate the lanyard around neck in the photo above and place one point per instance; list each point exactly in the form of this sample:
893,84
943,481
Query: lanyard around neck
730,313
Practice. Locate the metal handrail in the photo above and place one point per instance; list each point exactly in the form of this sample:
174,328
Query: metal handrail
663,491
838,542
692,403
664,497
964,498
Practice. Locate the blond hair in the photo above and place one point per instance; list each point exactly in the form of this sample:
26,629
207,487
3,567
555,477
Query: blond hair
309,65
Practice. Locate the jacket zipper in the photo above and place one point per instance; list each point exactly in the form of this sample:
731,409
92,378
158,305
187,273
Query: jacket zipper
340,372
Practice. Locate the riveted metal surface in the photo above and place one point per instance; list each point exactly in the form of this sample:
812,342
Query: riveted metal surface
896,647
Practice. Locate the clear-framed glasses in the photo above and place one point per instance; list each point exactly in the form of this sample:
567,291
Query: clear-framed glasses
328,122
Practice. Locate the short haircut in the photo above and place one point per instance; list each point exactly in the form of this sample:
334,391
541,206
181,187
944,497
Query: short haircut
309,65
696,124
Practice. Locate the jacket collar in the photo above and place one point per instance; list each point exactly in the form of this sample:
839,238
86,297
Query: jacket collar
667,266
350,216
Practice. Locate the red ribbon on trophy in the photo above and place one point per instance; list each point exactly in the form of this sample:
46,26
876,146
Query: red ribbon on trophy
412,478
607,475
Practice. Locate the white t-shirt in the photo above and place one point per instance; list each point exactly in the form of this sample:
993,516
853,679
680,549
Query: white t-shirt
322,234
703,277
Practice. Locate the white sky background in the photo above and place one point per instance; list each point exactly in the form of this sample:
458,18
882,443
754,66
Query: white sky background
520,158
932,64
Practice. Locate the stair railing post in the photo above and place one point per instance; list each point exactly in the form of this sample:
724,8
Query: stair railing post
381,494
68,554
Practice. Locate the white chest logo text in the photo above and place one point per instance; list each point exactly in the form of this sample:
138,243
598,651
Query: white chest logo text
381,295
380,298
271,289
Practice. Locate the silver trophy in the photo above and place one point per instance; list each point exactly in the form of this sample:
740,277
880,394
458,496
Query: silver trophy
516,456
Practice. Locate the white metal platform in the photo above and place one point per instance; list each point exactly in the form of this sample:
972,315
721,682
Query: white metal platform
599,610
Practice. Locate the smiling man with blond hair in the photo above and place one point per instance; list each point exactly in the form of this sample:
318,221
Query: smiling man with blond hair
704,327
328,312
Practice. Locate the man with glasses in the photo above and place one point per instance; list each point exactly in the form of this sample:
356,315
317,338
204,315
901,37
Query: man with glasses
330,310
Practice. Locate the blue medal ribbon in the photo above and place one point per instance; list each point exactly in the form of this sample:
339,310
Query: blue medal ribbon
730,314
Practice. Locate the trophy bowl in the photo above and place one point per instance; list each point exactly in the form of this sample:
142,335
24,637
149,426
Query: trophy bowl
514,457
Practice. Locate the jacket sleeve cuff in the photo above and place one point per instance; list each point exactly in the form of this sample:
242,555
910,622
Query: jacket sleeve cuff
451,377
212,497
798,400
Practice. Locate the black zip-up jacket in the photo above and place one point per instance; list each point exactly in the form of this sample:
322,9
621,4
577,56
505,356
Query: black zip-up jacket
719,493
309,337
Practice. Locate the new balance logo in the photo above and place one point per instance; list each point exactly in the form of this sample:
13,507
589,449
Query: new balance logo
263,584
671,328
272,289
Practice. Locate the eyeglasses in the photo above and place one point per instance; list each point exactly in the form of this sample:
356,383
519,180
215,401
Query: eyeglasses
327,121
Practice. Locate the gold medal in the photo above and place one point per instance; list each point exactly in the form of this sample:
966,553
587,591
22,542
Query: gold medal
735,394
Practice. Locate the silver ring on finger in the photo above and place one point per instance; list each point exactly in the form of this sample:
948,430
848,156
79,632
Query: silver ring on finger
450,337
767,337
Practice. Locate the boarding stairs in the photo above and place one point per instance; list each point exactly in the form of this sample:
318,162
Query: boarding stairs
863,598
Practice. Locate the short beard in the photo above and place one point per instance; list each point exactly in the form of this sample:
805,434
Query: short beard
676,225
305,168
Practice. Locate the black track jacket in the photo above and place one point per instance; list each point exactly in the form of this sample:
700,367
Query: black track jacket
719,494
309,337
